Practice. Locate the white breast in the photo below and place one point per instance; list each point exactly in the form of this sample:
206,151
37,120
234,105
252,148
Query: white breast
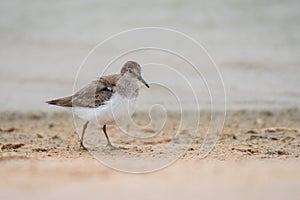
117,108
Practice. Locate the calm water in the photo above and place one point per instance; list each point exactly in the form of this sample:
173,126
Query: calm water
256,45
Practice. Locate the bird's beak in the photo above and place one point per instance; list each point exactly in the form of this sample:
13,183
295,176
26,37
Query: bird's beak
140,78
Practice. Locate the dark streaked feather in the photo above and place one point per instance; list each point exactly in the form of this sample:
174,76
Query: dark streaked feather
92,95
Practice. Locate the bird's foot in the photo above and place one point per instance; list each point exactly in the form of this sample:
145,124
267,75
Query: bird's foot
111,147
82,146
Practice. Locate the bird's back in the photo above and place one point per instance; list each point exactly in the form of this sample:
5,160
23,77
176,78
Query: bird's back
92,95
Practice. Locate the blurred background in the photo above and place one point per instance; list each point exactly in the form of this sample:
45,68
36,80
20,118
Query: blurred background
256,45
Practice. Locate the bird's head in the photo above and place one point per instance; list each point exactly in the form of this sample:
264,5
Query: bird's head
133,70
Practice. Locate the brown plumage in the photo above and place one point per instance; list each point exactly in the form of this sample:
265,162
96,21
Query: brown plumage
101,90
92,95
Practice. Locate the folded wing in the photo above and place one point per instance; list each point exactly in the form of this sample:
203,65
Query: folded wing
92,95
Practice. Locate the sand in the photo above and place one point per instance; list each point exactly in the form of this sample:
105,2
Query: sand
256,156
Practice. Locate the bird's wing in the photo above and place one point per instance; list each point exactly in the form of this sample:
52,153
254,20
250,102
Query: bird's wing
92,95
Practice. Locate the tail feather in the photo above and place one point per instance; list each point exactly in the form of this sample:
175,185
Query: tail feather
65,102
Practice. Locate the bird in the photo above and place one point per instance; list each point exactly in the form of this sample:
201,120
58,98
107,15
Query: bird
106,100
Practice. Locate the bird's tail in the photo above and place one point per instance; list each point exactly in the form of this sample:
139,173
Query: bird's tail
65,102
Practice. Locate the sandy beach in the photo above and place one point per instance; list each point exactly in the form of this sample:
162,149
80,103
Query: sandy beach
257,156
255,46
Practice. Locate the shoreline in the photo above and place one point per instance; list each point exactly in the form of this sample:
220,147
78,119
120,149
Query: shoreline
256,156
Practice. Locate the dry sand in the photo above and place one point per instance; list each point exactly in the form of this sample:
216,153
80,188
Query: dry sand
257,156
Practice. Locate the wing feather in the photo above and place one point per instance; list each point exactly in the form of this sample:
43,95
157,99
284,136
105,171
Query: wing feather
92,95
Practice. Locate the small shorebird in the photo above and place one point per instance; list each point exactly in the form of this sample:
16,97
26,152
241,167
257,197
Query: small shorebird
106,100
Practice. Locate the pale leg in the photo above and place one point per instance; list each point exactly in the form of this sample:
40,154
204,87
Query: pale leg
109,145
107,138
82,135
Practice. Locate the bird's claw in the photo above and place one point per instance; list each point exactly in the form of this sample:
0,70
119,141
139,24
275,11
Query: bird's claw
82,146
111,147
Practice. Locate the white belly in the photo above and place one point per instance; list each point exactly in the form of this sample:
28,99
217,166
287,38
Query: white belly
118,109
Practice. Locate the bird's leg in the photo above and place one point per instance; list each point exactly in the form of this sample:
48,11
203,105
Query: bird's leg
82,135
109,145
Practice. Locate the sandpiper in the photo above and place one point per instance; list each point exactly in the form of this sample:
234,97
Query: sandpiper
106,100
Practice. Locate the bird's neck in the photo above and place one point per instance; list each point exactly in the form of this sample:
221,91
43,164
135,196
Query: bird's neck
127,87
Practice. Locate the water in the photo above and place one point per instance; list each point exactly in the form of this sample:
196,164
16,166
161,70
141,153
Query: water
256,45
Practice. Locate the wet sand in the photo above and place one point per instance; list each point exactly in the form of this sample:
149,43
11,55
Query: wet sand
257,156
